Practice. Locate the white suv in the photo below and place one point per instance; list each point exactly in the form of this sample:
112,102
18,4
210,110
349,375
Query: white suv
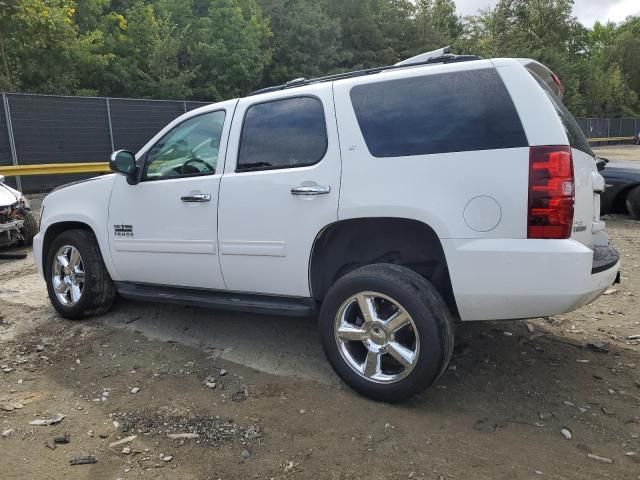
391,200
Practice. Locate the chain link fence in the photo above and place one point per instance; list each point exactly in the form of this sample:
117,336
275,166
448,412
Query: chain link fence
39,129
609,127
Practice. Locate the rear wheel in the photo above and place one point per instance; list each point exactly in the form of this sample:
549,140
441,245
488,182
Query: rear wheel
633,202
386,332
77,280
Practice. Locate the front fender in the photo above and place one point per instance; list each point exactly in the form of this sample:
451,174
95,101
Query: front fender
85,203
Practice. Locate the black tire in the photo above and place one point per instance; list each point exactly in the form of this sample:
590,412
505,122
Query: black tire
29,230
99,290
633,202
425,306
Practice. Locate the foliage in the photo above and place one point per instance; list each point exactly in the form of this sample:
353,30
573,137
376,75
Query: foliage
216,49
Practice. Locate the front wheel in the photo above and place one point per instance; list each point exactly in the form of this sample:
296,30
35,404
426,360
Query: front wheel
78,283
386,331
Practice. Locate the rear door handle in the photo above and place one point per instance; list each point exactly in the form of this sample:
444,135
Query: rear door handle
310,190
197,198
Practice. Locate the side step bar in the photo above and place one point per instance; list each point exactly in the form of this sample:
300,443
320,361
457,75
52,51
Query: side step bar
223,300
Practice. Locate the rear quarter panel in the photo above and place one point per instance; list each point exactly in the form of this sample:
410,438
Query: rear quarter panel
435,188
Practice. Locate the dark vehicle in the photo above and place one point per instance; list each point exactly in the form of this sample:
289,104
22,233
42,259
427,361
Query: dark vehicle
622,193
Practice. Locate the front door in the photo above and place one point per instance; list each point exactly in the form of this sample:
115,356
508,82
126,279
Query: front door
164,230
280,189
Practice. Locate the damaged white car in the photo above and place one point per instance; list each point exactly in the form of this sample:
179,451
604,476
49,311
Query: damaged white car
18,226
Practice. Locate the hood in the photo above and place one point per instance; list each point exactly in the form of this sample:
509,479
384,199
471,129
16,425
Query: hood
8,196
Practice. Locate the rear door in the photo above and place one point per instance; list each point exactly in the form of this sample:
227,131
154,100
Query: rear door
279,190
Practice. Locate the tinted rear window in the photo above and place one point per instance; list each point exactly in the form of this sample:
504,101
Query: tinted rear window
449,112
574,133
283,134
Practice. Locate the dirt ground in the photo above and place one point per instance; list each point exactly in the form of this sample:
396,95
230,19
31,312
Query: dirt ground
619,152
277,411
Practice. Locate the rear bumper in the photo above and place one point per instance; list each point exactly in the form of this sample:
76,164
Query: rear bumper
497,279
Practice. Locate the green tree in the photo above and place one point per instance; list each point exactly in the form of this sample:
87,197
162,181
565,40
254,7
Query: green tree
36,37
305,42
224,45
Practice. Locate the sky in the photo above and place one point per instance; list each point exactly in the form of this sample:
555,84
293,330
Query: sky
587,11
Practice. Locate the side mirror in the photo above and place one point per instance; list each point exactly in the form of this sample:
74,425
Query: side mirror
123,161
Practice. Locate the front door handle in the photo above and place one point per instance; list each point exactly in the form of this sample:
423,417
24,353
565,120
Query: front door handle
198,197
310,190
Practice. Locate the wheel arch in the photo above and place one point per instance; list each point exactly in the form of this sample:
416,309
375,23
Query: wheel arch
56,229
345,245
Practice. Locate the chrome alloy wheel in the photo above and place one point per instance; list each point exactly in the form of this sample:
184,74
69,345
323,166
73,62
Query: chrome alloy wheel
68,275
377,337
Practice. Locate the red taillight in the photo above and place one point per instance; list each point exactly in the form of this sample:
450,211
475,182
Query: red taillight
551,192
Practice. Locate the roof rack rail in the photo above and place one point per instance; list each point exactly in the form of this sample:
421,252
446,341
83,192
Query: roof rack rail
429,58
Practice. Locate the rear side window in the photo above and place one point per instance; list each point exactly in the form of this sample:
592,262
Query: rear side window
449,112
283,134
576,138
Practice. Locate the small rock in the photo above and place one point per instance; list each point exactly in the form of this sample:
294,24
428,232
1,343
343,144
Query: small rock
245,454
64,438
568,403
598,346
128,439
302,411
7,369
135,390
49,421
7,432
530,327
7,407
78,362
175,436
83,460
223,372
507,334
599,458
610,291
50,445
566,433
538,472
211,385
167,458
633,337
39,348
630,454
545,415
580,360
606,411
126,450
104,435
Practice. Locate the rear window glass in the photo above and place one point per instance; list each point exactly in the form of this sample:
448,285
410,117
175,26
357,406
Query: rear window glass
449,112
284,133
575,135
